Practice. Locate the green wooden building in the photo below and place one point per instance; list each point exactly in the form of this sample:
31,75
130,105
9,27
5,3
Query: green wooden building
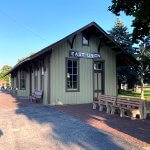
73,70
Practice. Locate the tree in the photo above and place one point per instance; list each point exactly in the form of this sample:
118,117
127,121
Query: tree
140,10
144,67
21,59
128,75
5,68
125,74
3,71
121,35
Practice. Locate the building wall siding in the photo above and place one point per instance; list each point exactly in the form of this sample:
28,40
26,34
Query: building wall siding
15,82
26,93
58,91
45,91
58,94
110,71
32,81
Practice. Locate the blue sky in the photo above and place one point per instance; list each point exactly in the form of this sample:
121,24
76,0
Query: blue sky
26,26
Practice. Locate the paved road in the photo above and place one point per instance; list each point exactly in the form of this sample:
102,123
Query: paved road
39,127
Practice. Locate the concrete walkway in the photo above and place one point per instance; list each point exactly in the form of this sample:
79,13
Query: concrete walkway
39,127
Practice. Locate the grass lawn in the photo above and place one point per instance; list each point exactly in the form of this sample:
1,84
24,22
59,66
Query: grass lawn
135,95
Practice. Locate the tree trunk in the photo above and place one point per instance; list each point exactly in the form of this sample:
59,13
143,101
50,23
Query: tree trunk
142,85
119,87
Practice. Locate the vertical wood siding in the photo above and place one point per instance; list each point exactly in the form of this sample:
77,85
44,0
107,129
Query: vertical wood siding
14,80
45,100
58,94
60,52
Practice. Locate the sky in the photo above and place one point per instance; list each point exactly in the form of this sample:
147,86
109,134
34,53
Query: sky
27,26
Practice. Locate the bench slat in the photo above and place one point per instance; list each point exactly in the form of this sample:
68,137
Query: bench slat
37,95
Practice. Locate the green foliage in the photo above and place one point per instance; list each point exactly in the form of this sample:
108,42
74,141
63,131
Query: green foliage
129,93
128,75
140,10
121,35
1,75
5,68
3,71
21,59
132,94
144,60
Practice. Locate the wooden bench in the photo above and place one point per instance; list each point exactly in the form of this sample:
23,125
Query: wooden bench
36,96
14,91
146,108
135,106
105,101
95,103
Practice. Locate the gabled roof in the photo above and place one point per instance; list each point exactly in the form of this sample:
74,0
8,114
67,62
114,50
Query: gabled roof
92,27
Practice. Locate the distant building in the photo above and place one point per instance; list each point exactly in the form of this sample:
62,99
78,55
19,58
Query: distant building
3,83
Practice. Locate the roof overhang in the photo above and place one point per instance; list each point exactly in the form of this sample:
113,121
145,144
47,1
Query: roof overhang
92,28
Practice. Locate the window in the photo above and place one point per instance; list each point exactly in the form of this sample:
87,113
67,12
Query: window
72,75
36,80
97,65
42,78
22,80
85,41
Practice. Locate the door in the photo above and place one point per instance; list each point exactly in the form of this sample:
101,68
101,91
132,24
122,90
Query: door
98,79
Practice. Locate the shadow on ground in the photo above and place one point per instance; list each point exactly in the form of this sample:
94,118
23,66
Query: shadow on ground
8,100
138,129
1,133
70,131
41,124
66,131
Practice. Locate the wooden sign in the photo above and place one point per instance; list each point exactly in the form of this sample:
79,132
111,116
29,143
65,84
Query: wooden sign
80,54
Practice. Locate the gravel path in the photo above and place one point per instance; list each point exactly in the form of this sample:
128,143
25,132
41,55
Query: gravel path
41,127
136,132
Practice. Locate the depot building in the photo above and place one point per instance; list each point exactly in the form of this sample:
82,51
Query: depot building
74,70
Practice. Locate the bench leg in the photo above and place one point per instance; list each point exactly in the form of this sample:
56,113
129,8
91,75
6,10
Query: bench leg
30,99
121,112
142,115
100,107
37,100
133,116
108,109
138,112
94,105
112,110
145,115
34,100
